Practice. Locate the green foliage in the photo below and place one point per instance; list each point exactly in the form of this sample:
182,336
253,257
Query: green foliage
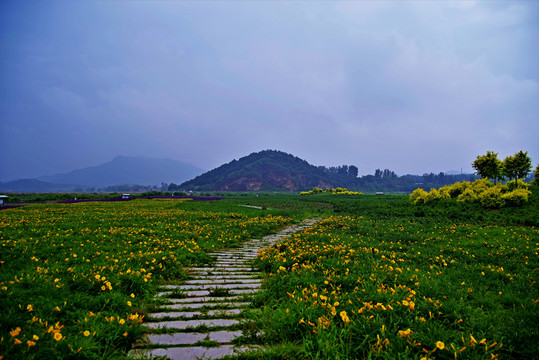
488,166
468,196
458,188
517,166
481,185
482,190
516,197
517,184
433,195
536,176
491,198
418,196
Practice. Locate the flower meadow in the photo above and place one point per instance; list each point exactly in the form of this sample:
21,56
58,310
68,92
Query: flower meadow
75,278
393,286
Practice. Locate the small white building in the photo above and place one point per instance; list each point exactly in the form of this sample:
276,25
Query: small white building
126,196
3,198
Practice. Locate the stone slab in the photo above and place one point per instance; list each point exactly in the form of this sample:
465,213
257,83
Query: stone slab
207,304
222,337
199,352
195,287
184,324
224,281
192,314
202,299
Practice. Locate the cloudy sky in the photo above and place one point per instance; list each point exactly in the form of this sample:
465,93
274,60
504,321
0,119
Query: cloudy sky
412,86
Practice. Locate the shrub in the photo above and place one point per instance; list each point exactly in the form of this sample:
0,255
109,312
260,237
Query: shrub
468,196
432,195
418,196
517,184
481,185
458,188
492,198
516,197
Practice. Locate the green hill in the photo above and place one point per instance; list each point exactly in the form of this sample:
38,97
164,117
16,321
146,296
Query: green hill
267,170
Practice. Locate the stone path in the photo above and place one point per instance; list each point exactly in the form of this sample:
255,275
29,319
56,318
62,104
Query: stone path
211,311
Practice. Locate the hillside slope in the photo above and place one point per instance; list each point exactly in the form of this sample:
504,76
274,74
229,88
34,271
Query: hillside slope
128,170
268,170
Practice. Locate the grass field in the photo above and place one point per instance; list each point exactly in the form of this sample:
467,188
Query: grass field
378,277
75,278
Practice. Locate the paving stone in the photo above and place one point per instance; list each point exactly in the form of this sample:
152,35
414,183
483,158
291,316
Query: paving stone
199,352
223,299
223,276
223,268
207,304
191,314
224,281
184,324
216,286
222,337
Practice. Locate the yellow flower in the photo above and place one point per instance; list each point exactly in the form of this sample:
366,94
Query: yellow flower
121,321
56,309
86,333
129,303
302,321
125,333
30,308
57,336
35,337
30,343
440,345
15,332
132,295
17,341
405,333
344,316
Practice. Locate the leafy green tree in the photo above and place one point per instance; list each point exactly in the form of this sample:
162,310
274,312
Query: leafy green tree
517,166
536,176
488,166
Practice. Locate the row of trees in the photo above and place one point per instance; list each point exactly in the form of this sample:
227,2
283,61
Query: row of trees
344,170
513,167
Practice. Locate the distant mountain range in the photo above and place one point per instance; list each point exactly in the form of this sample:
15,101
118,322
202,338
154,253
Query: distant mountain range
120,170
268,170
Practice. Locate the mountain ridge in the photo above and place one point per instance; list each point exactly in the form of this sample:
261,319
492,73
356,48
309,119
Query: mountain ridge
130,170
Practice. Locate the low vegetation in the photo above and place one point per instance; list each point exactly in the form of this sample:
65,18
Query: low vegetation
75,278
377,277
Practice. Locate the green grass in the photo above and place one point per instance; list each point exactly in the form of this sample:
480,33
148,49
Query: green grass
449,272
352,286
75,279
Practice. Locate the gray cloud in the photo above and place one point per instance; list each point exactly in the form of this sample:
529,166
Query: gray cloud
410,86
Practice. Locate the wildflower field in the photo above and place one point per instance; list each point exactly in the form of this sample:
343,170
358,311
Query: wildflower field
74,278
378,277
403,282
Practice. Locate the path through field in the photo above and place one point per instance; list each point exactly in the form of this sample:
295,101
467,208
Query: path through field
216,298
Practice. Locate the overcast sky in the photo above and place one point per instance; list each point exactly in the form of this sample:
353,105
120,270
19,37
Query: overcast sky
412,86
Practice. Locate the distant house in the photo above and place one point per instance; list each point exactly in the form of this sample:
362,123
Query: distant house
379,193
3,198
126,196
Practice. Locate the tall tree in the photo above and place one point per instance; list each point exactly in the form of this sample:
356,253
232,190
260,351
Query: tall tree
488,166
536,176
353,171
517,166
